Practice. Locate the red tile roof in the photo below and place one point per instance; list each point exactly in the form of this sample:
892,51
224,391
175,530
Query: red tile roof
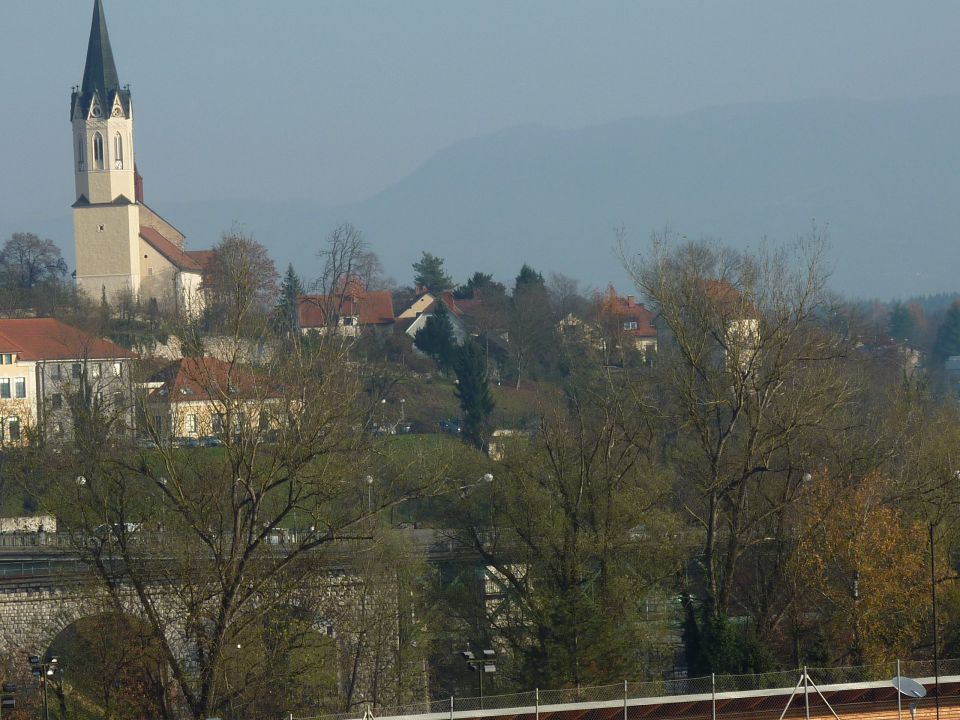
627,309
206,378
171,252
728,299
372,308
201,257
50,339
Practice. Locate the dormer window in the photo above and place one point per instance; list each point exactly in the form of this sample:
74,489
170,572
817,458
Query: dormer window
97,151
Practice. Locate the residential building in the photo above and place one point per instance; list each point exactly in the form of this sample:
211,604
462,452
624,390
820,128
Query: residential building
197,397
415,317
351,312
48,369
614,323
123,247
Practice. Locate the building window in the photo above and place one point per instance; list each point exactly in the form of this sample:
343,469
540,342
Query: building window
57,372
264,420
4,387
191,424
95,370
630,325
118,151
20,384
81,153
14,429
76,370
117,369
118,399
56,400
6,359
218,423
98,151
158,424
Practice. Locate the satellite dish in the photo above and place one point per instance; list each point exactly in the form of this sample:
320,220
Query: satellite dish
909,687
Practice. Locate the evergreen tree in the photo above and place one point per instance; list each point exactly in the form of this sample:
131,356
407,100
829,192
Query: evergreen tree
435,338
948,334
479,282
430,273
473,392
291,288
528,279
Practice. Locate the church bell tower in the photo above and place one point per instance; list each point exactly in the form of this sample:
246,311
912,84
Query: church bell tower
105,214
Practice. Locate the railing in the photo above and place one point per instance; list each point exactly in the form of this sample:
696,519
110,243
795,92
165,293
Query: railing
718,693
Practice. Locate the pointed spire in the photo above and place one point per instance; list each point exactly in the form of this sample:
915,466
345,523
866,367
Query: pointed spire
100,73
100,78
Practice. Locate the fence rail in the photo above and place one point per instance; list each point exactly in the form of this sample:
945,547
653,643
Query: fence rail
719,693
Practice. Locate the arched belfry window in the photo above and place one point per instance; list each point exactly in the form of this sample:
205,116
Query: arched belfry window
81,153
97,151
118,151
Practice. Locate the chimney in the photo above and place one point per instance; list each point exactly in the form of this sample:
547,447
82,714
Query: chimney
631,300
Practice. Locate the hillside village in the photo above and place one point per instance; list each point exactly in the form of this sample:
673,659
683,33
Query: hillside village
278,495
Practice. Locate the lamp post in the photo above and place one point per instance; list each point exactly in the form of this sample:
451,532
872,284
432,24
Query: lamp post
369,481
43,671
936,643
486,479
482,662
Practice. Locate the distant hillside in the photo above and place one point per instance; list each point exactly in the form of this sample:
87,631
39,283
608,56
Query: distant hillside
885,177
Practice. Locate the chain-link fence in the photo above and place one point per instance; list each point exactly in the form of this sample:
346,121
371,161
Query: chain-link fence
864,690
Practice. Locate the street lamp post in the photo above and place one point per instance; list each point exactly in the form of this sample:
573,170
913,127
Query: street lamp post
43,671
483,663
936,643
369,480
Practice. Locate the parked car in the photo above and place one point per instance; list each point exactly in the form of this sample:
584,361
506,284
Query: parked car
185,442
211,441
451,425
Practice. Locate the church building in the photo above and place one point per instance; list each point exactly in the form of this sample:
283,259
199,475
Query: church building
123,247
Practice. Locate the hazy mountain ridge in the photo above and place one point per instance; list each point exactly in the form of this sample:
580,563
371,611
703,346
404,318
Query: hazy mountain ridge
883,175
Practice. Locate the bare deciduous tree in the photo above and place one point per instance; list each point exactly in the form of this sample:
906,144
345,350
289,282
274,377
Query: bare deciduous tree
240,284
752,380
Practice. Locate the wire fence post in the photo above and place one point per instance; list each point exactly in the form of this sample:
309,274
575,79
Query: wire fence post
713,696
806,692
451,707
625,691
536,696
898,689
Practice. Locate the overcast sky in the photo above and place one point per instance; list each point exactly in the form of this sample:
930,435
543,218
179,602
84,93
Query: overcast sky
335,100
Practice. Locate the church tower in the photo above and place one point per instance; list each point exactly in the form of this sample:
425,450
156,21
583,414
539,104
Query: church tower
106,216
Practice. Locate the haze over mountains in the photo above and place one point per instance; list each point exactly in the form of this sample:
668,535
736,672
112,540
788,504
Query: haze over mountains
883,176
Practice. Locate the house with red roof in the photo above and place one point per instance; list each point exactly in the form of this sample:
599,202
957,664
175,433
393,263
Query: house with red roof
615,323
350,312
197,397
46,368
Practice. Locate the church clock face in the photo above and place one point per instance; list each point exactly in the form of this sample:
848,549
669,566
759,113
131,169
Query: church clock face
118,165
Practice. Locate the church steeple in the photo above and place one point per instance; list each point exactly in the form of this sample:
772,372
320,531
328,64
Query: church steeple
100,90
